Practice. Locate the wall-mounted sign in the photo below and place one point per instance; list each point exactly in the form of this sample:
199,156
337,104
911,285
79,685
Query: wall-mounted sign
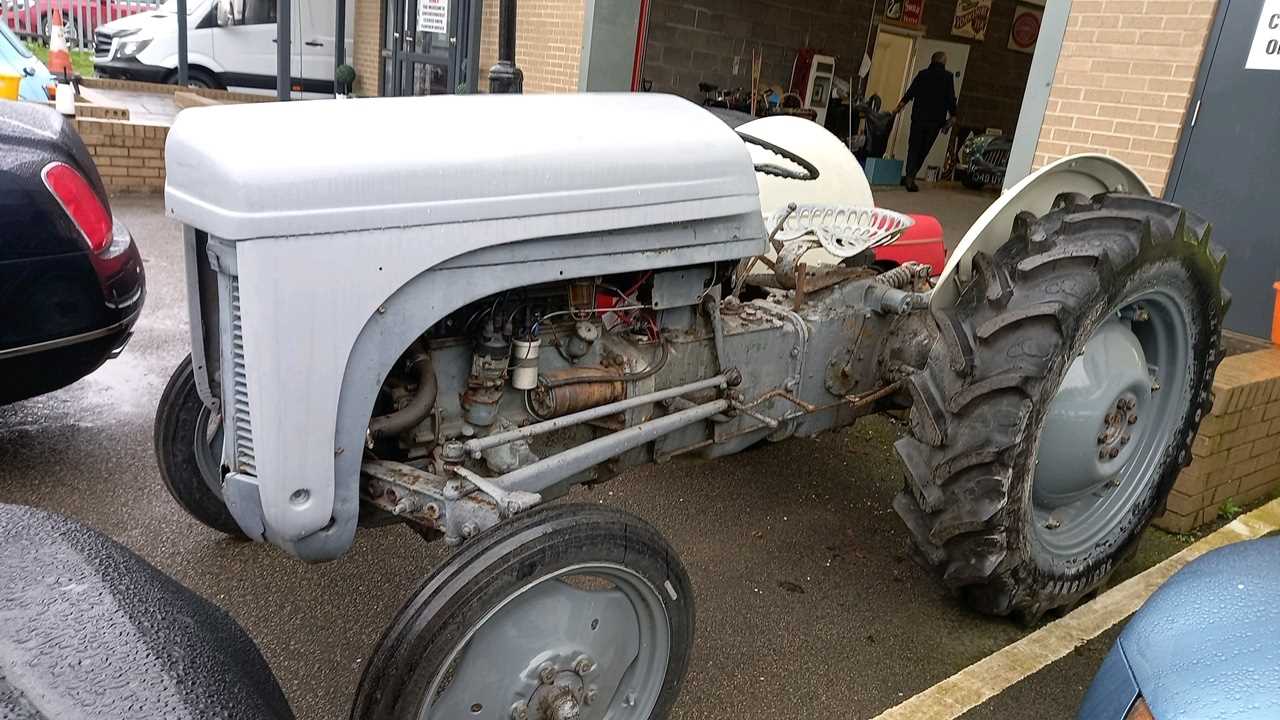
907,12
1026,28
433,16
971,19
913,12
1264,53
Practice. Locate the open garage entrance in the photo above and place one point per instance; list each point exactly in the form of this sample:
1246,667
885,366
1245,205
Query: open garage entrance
847,63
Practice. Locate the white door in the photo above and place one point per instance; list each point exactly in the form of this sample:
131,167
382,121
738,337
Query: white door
957,60
318,39
247,50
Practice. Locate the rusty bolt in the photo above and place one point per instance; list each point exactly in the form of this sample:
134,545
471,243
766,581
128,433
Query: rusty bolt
1133,419
1102,438
1113,452
520,711
547,673
432,511
1053,524
468,530
590,697
584,665
1124,439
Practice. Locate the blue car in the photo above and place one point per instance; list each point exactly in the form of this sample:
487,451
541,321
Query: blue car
37,82
1205,645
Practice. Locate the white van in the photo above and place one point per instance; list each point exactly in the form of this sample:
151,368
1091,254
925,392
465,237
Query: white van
230,44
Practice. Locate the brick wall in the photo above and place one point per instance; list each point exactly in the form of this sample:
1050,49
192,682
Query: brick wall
366,55
548,43
129,155
692,41
1124,81
1236,456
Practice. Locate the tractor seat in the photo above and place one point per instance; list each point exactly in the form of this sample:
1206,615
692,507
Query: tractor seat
90,630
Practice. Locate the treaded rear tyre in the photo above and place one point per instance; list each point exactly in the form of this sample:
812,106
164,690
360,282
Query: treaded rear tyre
980,403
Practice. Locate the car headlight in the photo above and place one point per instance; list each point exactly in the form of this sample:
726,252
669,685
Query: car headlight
131,48
1139,711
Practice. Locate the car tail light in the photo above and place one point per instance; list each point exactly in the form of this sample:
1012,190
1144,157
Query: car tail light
81,203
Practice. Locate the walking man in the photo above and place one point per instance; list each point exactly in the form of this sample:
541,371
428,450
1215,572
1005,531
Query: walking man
934,92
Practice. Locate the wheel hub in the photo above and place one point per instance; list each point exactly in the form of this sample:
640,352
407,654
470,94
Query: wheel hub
1108,429
1087,430
559,694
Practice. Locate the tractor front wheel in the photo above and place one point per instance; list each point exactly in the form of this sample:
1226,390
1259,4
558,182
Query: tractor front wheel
1057,409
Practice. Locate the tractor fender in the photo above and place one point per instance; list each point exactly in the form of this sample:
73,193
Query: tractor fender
1085,174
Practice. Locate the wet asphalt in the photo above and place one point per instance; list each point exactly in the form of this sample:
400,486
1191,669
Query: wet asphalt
808,606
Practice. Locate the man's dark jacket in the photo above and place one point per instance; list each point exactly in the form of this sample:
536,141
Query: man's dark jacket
934,94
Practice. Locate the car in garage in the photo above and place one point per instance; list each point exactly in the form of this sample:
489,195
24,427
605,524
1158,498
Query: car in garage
71,278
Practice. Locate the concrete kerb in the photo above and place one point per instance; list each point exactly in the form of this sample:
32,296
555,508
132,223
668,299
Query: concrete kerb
997,672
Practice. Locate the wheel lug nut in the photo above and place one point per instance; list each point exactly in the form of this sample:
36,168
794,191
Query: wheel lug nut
547,673
1124,439
520,711
1113,452
1133,419
1102,454
1102,438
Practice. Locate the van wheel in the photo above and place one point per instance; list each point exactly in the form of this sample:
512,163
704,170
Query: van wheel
199,78
70,31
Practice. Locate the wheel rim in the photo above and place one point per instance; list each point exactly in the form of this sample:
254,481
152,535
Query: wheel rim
589,641
1108,427
207,445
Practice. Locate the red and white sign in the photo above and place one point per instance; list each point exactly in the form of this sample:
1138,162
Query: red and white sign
913,12
1026,28
907,12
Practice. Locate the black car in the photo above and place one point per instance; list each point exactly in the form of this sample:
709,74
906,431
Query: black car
71,280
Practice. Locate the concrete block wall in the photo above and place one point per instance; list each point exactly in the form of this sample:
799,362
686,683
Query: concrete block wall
548,43
1124,81
1236,456
129,155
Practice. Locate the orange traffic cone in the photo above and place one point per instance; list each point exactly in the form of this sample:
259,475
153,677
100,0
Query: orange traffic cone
59,58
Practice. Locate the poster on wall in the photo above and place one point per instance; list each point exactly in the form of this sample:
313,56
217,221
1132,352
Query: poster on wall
907,12
913,12
1026,28
433,16
971,19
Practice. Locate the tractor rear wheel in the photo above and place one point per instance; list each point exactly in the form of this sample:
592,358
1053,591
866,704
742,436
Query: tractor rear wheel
1056,411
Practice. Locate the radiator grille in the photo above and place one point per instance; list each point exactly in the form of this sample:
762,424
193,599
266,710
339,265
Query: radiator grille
243,422
101,44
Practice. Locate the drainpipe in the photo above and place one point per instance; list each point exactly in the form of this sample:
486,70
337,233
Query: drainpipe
505,77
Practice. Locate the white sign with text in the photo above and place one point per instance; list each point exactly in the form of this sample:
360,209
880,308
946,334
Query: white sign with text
433,16
1264,54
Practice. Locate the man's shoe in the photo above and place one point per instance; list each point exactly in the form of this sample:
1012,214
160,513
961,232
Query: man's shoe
911,185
